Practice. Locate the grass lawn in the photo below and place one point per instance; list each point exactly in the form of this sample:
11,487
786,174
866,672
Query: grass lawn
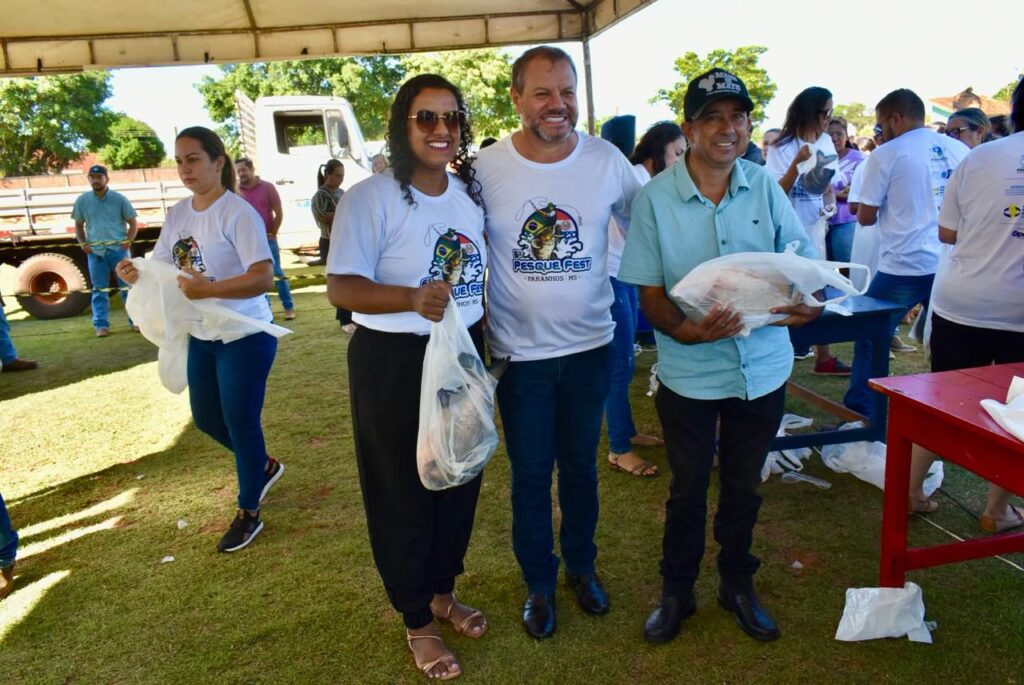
99,464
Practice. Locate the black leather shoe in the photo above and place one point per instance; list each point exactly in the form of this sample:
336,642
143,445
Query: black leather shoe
666,620
590,593
539,615
753,618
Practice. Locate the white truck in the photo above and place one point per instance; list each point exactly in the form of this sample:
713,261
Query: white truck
287,137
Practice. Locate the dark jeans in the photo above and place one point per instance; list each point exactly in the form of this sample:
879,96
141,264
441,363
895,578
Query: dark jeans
747,430
227,383
8,537
956,346
551,410
904,290
419,537
618,413
343,316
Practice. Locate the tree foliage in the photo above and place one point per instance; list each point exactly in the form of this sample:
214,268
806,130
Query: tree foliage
859,115
46,122
743,62
370,84
1004,93
132,145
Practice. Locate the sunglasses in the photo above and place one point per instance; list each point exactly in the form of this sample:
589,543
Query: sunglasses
426,120
956,132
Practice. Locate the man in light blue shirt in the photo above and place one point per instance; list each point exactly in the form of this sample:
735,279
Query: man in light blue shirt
711,204
105,226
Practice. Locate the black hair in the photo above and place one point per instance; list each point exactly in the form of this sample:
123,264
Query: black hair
904,101
1017,107
652,145
399,151
487,142
547,52
802,112
846,127
328,168
213,146
246,161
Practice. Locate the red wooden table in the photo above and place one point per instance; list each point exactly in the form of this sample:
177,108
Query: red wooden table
942,413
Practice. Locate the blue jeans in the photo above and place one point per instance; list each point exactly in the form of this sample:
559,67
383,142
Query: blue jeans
7,352
618,413
551,410
284,291
905,290
227,383
839,241
8,537
100,267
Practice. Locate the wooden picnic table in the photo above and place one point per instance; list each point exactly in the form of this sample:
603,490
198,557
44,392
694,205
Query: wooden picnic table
942,413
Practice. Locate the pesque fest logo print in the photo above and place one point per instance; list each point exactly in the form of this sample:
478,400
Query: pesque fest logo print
456,260
549,241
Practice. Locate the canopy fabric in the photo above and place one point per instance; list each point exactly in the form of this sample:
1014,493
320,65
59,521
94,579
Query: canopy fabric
70,35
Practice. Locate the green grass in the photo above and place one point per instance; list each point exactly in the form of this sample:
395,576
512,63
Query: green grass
304,603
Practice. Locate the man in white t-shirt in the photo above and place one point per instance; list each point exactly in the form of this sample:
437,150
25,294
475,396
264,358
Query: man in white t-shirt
903,185
550,191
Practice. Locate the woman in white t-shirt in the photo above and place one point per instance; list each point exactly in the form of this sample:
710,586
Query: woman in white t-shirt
977,302
810,193
403,241
659,148
219,241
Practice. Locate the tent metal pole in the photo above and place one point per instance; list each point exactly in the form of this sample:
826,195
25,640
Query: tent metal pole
590,85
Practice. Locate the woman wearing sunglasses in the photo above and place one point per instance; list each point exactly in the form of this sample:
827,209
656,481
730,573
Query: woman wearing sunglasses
403,242
970,126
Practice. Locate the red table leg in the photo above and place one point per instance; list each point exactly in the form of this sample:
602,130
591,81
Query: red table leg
896,504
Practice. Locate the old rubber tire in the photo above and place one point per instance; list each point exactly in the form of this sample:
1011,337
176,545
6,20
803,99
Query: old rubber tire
51,273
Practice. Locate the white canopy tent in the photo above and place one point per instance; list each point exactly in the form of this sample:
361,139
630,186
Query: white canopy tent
55,36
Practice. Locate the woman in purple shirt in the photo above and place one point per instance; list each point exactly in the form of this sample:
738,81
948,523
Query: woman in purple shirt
839,239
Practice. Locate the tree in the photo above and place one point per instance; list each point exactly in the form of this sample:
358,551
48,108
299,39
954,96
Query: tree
742,62
857,114
1004,93
133,145
369,83
46,122
483,76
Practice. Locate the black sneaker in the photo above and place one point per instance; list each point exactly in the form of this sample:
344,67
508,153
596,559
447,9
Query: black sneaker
271,475
243,530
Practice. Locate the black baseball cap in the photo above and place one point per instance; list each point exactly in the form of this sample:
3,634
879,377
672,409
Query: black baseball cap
98,169
711,86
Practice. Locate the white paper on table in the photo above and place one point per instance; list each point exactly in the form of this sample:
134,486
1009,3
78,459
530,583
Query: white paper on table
1009,416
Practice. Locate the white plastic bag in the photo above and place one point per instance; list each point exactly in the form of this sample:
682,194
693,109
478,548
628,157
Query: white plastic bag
752,283
787,460
865,251
167,318
875,612
456,434
816,173
866,460
1010,415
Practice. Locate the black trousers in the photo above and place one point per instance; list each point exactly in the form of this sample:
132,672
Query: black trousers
745,436
956,346
343,316
418,537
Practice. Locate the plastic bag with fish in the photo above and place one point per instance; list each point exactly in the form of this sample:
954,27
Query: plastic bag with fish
815,174
752,283
457,435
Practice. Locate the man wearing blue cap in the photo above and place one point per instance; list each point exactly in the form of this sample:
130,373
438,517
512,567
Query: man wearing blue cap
711,204
105,226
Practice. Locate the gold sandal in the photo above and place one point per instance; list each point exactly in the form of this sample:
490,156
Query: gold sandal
643,469
448,659
463,626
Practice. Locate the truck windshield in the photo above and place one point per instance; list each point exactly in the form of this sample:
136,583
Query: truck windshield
337,133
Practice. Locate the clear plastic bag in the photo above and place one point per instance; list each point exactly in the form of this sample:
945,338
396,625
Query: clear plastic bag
457,435
752,283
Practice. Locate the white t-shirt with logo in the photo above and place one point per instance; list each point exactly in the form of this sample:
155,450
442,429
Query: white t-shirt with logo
982,284
616,234
906,179
378,235
548,291
220,242
809,207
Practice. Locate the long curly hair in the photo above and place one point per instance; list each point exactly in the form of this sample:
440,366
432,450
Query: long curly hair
652,144
403,161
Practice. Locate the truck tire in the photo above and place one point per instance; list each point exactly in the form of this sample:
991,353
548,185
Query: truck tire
51,273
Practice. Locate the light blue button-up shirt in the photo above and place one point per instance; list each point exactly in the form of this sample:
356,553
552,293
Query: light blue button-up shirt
105,218
674,228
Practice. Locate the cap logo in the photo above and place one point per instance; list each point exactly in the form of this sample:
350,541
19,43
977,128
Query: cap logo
718,81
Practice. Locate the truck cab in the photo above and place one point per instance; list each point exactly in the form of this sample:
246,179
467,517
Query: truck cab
288,138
